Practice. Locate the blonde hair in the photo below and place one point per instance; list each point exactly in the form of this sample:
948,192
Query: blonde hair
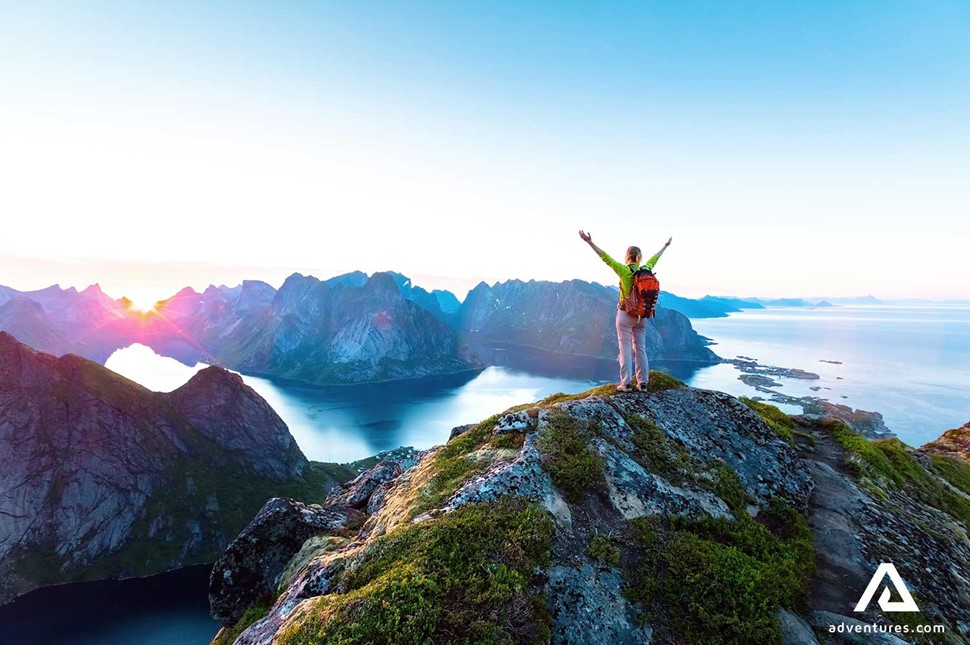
633,254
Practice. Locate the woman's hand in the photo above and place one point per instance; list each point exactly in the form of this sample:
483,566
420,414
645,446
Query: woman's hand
586,237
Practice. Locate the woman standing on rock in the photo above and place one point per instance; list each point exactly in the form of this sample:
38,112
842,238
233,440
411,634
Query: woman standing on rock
631,329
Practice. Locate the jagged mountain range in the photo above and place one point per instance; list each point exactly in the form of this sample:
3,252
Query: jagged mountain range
348,329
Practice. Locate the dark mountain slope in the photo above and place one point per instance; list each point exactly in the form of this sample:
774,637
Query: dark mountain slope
100,477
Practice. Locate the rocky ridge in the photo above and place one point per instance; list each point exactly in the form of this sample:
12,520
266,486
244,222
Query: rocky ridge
678,515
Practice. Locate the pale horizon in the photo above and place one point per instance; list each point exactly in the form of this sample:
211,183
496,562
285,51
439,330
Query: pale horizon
145,287
789,152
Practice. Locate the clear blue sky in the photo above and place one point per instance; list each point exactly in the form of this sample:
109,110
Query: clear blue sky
790,149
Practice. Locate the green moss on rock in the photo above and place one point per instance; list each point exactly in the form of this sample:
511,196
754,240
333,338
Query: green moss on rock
602,549
464,577
452,467
782,424
566,455
660,381
729,487
722,581
955,471
228,635
892,465
660,454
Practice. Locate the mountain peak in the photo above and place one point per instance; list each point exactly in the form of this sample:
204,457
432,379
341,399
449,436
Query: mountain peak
384,282
212,377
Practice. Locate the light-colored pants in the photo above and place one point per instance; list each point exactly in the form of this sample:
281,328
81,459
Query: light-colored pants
631,336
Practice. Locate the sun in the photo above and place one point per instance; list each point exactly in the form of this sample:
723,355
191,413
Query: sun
142,304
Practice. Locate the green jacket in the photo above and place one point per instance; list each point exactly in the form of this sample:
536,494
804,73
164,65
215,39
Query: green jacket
625,273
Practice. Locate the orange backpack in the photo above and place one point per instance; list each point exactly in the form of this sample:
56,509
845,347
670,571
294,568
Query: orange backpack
643,297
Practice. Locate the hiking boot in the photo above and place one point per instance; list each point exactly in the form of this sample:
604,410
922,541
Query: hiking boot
640,387
623,388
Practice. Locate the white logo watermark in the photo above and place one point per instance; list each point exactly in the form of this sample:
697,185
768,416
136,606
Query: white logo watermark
886,569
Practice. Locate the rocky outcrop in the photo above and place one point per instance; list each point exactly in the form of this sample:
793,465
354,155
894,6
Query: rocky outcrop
621,491
572,317
252,565
952,443
100,477
651,458
870,425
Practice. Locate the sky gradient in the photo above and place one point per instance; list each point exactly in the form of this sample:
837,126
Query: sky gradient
790,150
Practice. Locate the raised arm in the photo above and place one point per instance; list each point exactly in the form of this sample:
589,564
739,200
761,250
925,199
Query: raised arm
653,261
613,264
586,237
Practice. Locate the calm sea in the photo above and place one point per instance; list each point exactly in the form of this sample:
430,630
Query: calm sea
911,363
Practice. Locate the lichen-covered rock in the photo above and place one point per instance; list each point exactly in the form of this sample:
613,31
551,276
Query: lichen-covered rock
357,493
634,492
714,425
513,422
522,476
588,607
251,566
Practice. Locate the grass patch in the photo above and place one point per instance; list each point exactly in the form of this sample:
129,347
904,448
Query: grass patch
602,549
955,471
452,468
891,464
782,424
660,454
729,487
508,441
566,455
465,577
660,381
722,581
559,397
228,635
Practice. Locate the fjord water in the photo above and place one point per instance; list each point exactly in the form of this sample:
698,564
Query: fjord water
911,363
346,423
167,609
